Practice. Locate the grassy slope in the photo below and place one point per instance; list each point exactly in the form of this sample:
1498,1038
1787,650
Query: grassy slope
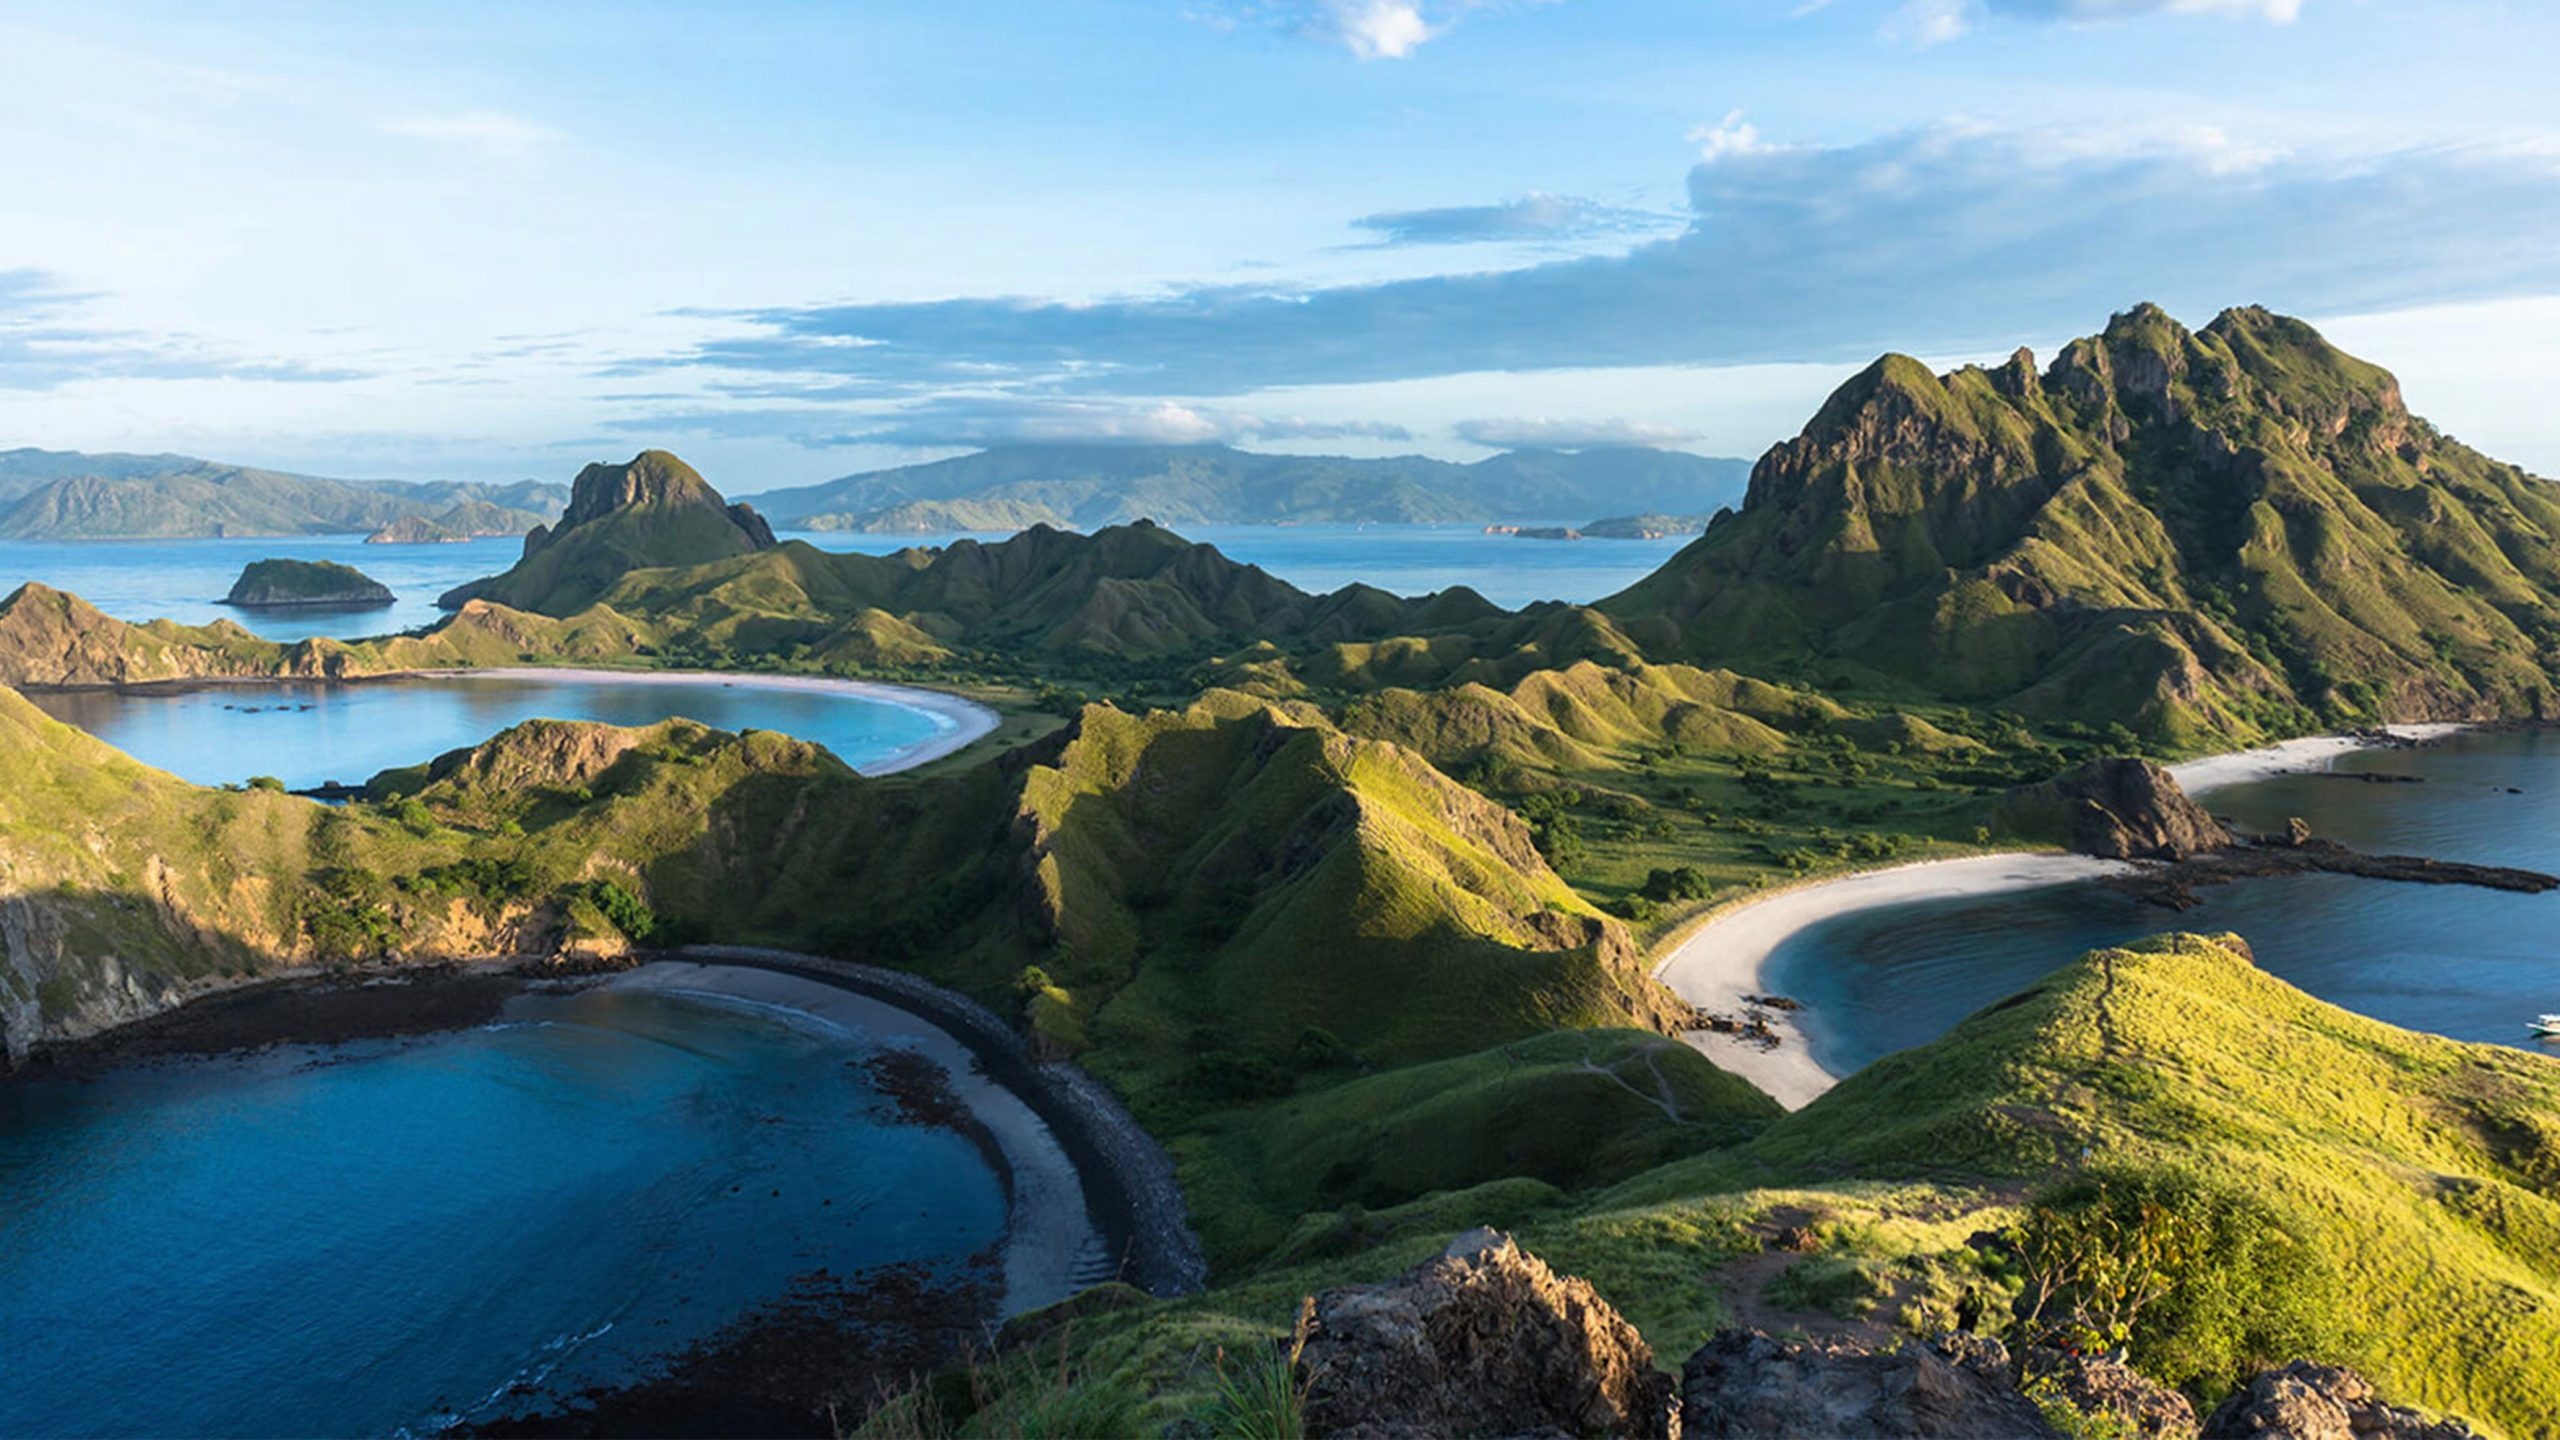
2425,1172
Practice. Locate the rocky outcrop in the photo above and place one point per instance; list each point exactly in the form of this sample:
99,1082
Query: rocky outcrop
1483,1339
2307,1401
2139,1407
283,584
1752,1386
654,512
2116,809
51,638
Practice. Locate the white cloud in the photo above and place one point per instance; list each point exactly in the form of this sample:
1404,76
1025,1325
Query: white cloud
1379,29
1732,135
494,132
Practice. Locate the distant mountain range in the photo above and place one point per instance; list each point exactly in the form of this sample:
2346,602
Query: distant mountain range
67,495
1090,486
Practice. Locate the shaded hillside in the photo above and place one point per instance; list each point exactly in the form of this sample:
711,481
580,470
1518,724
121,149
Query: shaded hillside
2208,535
1090,486
66,495
124,890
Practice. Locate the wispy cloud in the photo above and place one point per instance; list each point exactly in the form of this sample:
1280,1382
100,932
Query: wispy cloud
1930,22
492,132
1544,433
958,421
45,345
1534,218
1368,29
1945,238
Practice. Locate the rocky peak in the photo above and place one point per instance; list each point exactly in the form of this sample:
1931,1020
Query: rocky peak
652,480
2018,378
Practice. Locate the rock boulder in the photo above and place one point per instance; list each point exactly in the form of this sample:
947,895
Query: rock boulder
2120,809
1481,1340
2306,1401
1748,1385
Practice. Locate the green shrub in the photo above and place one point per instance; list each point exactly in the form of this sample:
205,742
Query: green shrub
2200,1283
627,912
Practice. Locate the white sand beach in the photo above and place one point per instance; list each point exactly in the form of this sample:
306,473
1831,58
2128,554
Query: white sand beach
2312,752
957,721
1722,960
1051,1236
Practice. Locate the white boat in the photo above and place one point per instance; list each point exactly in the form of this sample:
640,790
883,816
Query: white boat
2547,1026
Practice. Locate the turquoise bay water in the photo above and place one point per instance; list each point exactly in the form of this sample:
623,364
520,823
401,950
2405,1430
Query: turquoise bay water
389,1234
186,579
307,733
2454,960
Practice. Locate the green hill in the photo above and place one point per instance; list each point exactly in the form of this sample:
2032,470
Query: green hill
2366,1195
51,494
1091,486
654,512
2210,536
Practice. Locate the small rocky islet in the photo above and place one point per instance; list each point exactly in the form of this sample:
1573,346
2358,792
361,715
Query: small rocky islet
318,584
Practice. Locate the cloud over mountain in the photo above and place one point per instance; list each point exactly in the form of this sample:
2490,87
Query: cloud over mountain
1944,238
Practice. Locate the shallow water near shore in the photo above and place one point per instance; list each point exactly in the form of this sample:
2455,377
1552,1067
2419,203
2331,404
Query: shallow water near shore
385,1235
310,733
2453,960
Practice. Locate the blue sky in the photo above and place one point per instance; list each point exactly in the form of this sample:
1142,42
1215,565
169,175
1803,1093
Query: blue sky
794,240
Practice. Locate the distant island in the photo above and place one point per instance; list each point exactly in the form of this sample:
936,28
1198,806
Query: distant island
284,584
1616,527
68,495
1088,487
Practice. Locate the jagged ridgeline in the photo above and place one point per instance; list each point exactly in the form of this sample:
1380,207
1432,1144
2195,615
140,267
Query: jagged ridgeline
2208,534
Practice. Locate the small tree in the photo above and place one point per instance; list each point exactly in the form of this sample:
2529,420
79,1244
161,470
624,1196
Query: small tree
2196,1281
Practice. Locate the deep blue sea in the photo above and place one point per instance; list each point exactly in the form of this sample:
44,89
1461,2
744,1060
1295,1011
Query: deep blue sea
186,579
308,733
2455,960
388,1235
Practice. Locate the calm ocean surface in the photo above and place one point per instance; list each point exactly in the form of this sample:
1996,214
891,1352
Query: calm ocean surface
388,1235
186,579
2469,963
307,733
